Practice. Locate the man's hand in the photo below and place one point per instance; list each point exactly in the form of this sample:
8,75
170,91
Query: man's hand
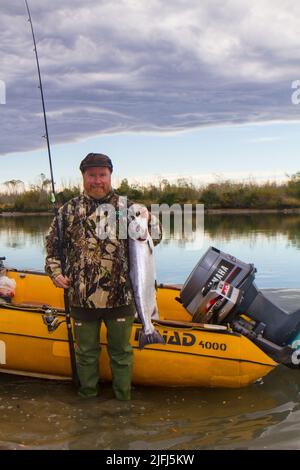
62,281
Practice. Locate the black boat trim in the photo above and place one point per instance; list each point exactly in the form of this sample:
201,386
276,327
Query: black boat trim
150,349
60,313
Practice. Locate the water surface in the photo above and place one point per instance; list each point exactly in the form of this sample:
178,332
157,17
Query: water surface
41,414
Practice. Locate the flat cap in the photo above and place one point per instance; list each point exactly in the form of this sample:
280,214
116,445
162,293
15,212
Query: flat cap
95,159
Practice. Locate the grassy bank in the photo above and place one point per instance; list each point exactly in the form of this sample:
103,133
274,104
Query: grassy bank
226,195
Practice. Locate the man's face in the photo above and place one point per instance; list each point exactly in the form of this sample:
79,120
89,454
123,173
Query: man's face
97,181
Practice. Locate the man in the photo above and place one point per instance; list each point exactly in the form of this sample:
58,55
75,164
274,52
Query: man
97,277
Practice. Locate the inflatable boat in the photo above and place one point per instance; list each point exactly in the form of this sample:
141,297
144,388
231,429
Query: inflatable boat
229,353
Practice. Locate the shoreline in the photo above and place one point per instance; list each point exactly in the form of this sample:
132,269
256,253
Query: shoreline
295,210
20,214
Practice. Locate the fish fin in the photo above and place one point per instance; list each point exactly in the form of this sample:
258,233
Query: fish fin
152,338
155,315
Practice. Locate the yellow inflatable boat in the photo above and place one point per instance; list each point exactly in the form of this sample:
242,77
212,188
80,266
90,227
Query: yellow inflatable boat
194,354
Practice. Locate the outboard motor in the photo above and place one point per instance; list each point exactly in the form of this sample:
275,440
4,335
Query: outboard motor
221,289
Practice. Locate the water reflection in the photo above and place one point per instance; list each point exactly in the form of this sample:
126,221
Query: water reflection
22,240
249,226
39,414
19,231
270,241
15,231
27,224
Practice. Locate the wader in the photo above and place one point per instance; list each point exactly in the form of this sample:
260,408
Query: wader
120,353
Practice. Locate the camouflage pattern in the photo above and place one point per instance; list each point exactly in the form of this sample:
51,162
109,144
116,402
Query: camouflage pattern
97,267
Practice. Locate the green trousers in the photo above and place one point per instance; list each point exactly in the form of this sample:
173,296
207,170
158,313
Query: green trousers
120,354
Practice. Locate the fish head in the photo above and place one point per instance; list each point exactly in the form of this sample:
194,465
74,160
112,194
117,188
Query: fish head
138,216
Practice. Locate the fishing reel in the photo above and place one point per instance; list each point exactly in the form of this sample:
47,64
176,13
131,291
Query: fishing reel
51,320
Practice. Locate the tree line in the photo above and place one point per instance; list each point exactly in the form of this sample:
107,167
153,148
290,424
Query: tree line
219,195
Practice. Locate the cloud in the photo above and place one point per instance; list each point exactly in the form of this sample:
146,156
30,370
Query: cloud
154,66
267,139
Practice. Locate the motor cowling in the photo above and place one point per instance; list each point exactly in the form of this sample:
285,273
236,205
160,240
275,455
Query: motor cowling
221,289
221,300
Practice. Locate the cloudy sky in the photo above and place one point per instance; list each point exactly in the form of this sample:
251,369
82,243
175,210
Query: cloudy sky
200,89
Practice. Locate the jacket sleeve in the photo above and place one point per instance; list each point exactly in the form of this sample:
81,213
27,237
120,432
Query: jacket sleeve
53,263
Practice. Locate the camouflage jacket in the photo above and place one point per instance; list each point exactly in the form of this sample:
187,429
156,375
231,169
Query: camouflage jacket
98,267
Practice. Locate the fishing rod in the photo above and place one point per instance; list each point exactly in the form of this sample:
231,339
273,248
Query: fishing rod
75,378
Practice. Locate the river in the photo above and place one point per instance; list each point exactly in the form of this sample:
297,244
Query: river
42,414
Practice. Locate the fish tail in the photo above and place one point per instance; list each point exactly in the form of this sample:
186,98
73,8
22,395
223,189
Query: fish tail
152,338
